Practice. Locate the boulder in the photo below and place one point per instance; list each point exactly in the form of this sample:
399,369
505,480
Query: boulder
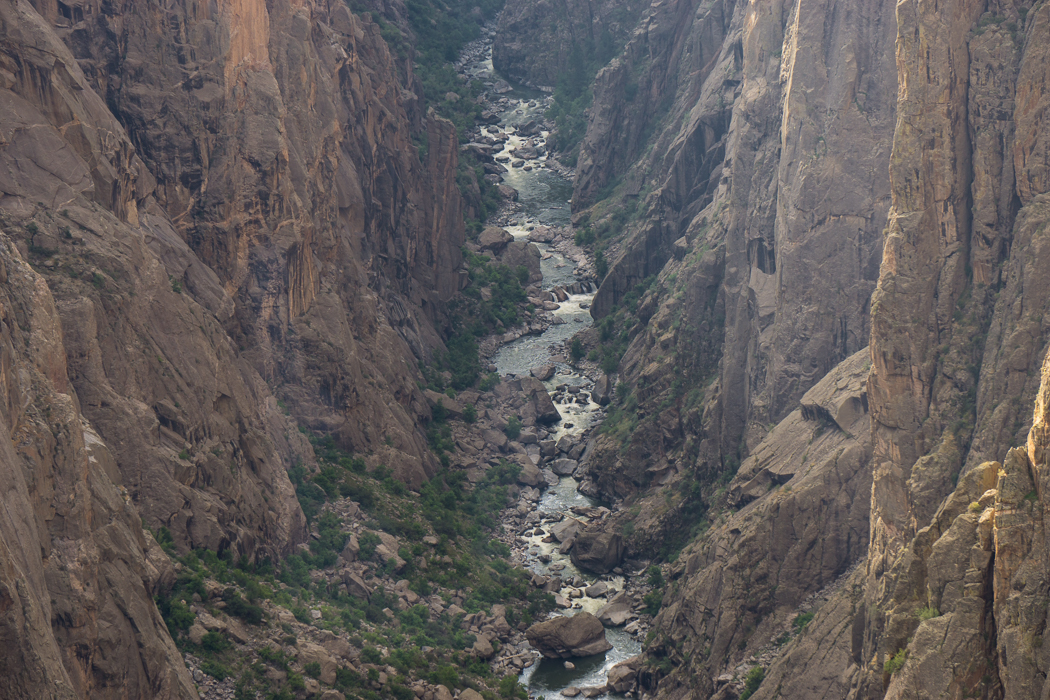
564,637
600,552
543,373
566,529
196,632
387,551
602,392
564,467
355,586
616,612
470,694
530,475
545,410
680,247
315,653
495,438
483,648
597,590
566,443
622,676
351,550
494,239
453,409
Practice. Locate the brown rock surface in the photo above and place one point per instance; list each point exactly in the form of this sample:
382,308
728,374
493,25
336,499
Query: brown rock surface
598,552
78,614
565,637
281,148
781,212
747,577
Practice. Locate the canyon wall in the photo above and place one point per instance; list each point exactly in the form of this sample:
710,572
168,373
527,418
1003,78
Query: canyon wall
783,164
542,42
216,227
764,193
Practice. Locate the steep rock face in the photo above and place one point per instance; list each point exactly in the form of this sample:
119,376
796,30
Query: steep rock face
957,325
803,498
280,138
77,617
957,336
195,432
539,42
768,196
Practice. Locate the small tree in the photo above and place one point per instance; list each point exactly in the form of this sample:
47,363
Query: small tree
576,350
513,429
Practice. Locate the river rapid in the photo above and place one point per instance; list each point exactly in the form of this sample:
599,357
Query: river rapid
544,189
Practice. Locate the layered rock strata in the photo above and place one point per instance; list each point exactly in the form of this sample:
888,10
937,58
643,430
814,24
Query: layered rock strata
280,142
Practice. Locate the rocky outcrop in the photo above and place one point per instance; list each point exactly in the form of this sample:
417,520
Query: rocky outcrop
196,435
280,140
805,493
938,608
598,552
565,637
77,576
212,215
757,217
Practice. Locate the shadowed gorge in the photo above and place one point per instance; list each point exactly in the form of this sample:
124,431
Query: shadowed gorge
540,348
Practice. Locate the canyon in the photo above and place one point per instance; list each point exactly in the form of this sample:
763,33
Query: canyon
345,343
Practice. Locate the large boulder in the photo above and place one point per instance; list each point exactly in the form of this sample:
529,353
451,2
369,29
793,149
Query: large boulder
616,612
566,529
545,410
599,552
523,254
602,392
494,239
563,637
531,475
564,467
622,676
314,653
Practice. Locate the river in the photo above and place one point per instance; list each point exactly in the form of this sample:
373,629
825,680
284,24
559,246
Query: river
543,200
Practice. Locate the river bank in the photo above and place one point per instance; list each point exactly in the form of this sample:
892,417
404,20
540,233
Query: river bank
541,528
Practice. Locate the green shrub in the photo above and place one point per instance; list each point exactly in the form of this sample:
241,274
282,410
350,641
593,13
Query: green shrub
240,608
927,613
509,688
470,414
513,429
576,350
216,670
213,642
802,620
368,541
754,678
896,662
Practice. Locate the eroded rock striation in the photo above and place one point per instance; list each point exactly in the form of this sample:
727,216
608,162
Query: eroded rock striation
215,225
797,181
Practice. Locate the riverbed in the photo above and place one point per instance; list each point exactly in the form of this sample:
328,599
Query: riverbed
543,200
